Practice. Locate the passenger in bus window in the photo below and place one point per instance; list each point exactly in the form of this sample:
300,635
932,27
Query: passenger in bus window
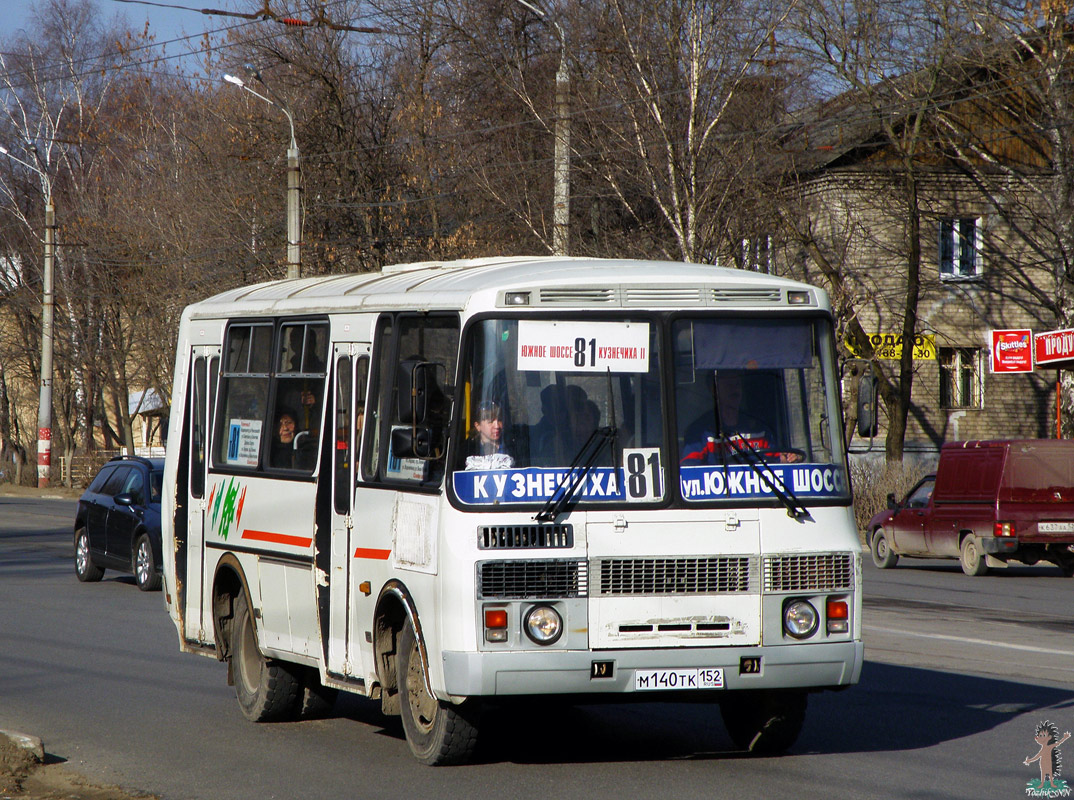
486,447
742,428
291,448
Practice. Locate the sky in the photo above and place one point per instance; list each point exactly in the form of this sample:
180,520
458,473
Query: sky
166,23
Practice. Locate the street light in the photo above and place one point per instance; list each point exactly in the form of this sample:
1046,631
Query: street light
44,406
561,191
294,182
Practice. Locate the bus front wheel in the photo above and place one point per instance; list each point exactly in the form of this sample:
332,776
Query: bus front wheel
267,690
764,722
438,733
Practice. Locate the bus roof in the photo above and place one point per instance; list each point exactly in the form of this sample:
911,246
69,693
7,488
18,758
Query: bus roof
553,281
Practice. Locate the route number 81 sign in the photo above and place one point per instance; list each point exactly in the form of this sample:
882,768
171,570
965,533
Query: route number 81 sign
547,346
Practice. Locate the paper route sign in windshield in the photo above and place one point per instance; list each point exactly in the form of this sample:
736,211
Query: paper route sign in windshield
742,481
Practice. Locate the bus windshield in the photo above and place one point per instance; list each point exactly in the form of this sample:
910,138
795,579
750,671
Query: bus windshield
756,409
549,404
537,391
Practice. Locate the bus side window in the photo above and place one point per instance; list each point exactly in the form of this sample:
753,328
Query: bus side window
300,369
243,402
379,400
417,338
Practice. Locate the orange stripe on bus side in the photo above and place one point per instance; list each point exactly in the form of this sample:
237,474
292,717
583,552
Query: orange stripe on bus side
278,538
369,552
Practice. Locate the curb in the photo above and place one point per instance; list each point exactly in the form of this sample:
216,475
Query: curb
23,741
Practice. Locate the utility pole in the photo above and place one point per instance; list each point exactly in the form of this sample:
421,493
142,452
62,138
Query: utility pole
294,181
44,406
44,403
561,189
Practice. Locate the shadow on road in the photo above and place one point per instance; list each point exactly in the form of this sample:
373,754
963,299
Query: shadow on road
893,709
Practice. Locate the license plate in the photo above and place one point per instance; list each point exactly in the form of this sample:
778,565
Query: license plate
648,680
1055,527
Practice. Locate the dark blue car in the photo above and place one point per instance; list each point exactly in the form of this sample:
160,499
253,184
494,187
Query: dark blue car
117,525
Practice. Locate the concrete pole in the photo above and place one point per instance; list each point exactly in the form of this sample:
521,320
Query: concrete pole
294,210
561,202
44,408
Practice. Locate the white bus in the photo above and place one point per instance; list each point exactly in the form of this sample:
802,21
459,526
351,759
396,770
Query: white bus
445,484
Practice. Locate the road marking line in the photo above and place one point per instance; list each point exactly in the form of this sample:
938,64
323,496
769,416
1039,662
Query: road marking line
967,640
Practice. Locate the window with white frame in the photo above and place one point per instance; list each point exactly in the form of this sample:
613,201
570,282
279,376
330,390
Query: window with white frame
960,247
960,377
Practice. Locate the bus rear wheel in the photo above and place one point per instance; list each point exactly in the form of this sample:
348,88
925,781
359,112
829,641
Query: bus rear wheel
267,690
438,733
764,722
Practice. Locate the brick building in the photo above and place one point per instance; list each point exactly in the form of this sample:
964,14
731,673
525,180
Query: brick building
859,211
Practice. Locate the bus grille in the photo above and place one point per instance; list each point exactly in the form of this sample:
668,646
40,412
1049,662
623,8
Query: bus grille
808,572
745,296
520,580
505,537
578,296
640,576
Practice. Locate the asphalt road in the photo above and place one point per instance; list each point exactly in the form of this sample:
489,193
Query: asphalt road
960,671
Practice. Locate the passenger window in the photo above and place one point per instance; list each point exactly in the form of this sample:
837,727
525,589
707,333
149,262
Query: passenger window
135,486
116,481
301,363
99,482
420,348
243,395
197,429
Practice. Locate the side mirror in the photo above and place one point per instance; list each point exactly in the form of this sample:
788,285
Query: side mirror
416,382
868,416
124,499
419,441
891,501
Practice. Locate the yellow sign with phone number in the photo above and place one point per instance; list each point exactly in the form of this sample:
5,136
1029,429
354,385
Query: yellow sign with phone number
888,346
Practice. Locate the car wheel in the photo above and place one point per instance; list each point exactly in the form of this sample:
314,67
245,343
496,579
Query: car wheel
883,556
85,569
764,722
145,566
267,689
438,733
973,562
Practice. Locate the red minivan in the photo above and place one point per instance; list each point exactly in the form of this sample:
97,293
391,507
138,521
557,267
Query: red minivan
988,503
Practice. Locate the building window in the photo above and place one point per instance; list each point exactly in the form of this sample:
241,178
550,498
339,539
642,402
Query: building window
960,248
960,377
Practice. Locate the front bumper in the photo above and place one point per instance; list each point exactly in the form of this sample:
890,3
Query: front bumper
563,672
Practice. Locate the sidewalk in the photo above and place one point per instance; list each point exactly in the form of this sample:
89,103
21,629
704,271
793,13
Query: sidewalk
27,772
51,493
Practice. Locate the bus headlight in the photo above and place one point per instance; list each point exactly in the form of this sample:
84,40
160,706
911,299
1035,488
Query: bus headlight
543,624
800,619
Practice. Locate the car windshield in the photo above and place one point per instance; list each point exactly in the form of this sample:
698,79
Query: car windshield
543,395
756,409
156,485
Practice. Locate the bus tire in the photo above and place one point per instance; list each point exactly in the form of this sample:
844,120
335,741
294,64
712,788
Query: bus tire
883,556
438,733
85,569
267,690
764,722
971,558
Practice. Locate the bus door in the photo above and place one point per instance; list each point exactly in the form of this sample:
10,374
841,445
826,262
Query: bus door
205,367
343,653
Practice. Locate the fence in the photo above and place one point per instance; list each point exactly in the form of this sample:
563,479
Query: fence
79,470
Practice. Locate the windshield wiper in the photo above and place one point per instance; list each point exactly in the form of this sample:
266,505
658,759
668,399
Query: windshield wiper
795,508
576,473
